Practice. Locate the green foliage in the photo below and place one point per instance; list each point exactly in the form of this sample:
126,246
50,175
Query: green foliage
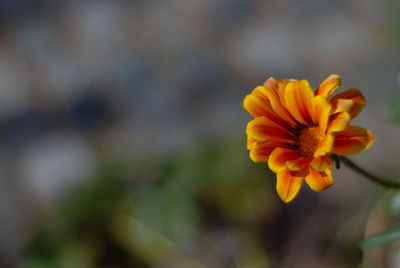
388,236
152,211
395,108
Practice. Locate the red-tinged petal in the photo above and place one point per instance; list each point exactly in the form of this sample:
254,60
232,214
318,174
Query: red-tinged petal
338,122
250,142
282,89
288,185
321,109
353,95
321,163
264,129
342,105
259,91
261,150
279,157
260,106
256,106
272,92
352,140
298,97
298,164
325,146
272,83
328,86
319,181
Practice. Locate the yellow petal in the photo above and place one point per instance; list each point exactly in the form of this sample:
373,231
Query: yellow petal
288,185
250,142
260,106
278,158
298,97
328,86
325,146
262,128
342,105
256,106
353,95
261,150
321,109
298,164
338,122
352,140
319,181
272,92
259,91
321,163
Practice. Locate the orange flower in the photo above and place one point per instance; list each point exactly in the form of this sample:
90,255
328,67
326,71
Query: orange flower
296,130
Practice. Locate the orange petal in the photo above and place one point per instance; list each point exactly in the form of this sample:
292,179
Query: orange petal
341,102
321,163
342,105
328,86
321,109
338,122
256,106
279,157
298,164
352,140
260,106
288,185
250,141
259,91
319,181
272,83
325,146
261,150
298,97
262,128
277,85
272,92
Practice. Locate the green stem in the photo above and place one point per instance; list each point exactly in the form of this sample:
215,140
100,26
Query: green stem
368,175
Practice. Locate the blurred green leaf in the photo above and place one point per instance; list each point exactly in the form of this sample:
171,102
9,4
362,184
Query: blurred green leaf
394,108
394,205
388,236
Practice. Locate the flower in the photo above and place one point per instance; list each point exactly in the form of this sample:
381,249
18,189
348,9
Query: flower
296,131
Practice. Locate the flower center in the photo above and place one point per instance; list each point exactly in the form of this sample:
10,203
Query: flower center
309,139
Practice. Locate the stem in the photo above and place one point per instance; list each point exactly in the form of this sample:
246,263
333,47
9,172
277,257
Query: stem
376,179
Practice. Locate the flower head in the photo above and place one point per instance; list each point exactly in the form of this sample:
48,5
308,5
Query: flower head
296,130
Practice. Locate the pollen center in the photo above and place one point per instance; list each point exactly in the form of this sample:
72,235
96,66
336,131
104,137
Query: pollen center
309,139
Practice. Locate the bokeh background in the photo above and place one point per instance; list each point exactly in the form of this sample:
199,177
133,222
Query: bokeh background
122,132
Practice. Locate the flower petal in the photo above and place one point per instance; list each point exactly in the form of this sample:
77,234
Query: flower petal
341,102
342,105
328,86
259,91
272,92
298,164
338,122
325,146
279,157
352,140
250,142
256,105
319,181
298,97
279,86
321,109
321,163
261,150
262,128
260,106
288,185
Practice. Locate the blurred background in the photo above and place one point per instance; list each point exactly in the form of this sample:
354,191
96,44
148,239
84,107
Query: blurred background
122,132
